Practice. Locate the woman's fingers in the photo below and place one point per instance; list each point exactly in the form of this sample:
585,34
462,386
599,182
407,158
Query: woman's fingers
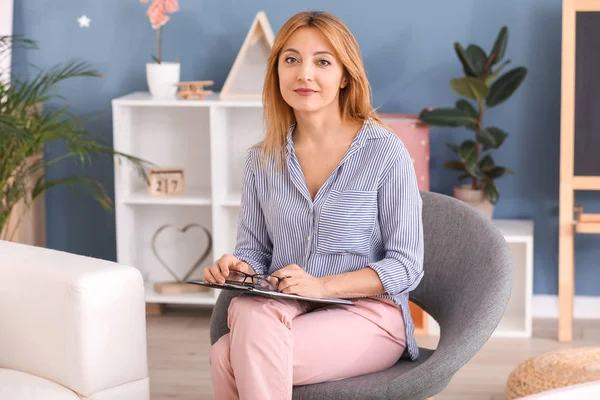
242,266
208,276
289,289
219,271
216,271
287,283
289,270
223,266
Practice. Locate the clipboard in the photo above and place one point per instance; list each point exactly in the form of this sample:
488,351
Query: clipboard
264,293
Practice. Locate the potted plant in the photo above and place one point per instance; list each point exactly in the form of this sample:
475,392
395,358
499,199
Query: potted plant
482,87
31,117
162,77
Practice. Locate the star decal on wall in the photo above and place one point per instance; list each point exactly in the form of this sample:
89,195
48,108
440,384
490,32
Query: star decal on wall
84,21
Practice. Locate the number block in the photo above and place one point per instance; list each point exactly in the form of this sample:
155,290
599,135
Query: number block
166,182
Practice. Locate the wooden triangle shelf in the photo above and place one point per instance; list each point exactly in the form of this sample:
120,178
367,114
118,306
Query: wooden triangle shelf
245,80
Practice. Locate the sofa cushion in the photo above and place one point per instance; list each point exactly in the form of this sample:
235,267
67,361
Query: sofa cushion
23,386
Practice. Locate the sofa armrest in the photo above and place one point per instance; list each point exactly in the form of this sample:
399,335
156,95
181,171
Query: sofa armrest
75,320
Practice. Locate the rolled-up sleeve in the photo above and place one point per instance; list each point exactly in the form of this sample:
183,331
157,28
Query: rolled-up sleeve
253,244
400,219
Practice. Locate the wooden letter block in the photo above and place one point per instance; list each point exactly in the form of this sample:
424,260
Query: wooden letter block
166,182
153,308
178,288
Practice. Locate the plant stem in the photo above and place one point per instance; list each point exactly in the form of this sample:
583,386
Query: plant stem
8,153
158,44
475,183
11,236
4,225
477,150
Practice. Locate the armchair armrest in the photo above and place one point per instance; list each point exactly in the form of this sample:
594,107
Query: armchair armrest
74,320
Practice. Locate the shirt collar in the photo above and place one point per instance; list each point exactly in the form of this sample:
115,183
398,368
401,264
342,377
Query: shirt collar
369,130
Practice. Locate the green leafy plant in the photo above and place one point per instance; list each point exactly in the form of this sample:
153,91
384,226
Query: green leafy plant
30,120
482,88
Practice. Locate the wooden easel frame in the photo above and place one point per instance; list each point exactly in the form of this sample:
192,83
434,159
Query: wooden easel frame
569,225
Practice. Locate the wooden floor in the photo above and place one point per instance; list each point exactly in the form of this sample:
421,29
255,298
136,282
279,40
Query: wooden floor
178,346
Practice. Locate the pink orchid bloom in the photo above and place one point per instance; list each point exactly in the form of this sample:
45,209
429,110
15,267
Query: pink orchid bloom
158,20
155,8
171,6
158,8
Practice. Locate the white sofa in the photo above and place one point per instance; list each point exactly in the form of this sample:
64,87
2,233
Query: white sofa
581,391
71,327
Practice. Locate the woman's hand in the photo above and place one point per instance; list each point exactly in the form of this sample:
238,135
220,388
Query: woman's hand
218,272
296,280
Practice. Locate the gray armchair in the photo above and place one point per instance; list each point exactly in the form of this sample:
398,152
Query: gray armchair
466,287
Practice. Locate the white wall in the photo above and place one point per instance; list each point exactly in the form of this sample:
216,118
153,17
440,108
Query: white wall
6,28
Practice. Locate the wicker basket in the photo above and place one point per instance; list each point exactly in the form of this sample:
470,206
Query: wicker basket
553,370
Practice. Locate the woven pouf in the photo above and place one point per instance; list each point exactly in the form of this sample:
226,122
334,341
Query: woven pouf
553,370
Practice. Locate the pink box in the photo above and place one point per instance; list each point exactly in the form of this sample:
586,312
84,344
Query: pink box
415,135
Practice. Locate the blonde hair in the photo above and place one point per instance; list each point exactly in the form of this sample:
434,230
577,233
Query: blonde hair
355,97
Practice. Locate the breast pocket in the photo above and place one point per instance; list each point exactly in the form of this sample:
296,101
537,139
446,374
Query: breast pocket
346,222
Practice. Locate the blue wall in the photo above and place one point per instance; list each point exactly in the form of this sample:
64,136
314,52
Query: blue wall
407,48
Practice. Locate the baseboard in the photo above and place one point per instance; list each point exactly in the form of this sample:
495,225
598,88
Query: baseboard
546,306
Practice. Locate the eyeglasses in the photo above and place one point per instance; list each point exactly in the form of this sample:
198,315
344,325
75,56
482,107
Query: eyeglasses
257,281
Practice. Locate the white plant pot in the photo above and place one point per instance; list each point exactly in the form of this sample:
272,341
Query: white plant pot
475,198
162,78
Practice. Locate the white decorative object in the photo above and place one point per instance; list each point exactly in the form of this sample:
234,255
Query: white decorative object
6,29
172,248
245,80
163,78
175,238
516,322
84,21
208,139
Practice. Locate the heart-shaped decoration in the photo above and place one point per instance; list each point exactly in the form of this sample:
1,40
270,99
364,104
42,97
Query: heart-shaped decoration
196,264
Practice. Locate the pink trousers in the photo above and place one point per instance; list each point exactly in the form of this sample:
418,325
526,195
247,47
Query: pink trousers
275,344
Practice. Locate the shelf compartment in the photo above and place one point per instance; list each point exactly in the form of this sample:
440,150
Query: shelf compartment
145,99
232,200
512,325
166,137
200,298
177,248
517,318
234,130
192,197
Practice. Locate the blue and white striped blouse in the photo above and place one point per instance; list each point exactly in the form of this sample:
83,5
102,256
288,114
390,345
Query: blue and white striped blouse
366,214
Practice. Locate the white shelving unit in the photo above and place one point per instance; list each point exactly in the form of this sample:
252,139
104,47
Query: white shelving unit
516,322
208,139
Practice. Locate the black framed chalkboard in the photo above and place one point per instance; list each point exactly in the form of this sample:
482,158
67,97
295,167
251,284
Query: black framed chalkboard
587,94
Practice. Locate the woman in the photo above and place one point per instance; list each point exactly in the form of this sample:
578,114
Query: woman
330,208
